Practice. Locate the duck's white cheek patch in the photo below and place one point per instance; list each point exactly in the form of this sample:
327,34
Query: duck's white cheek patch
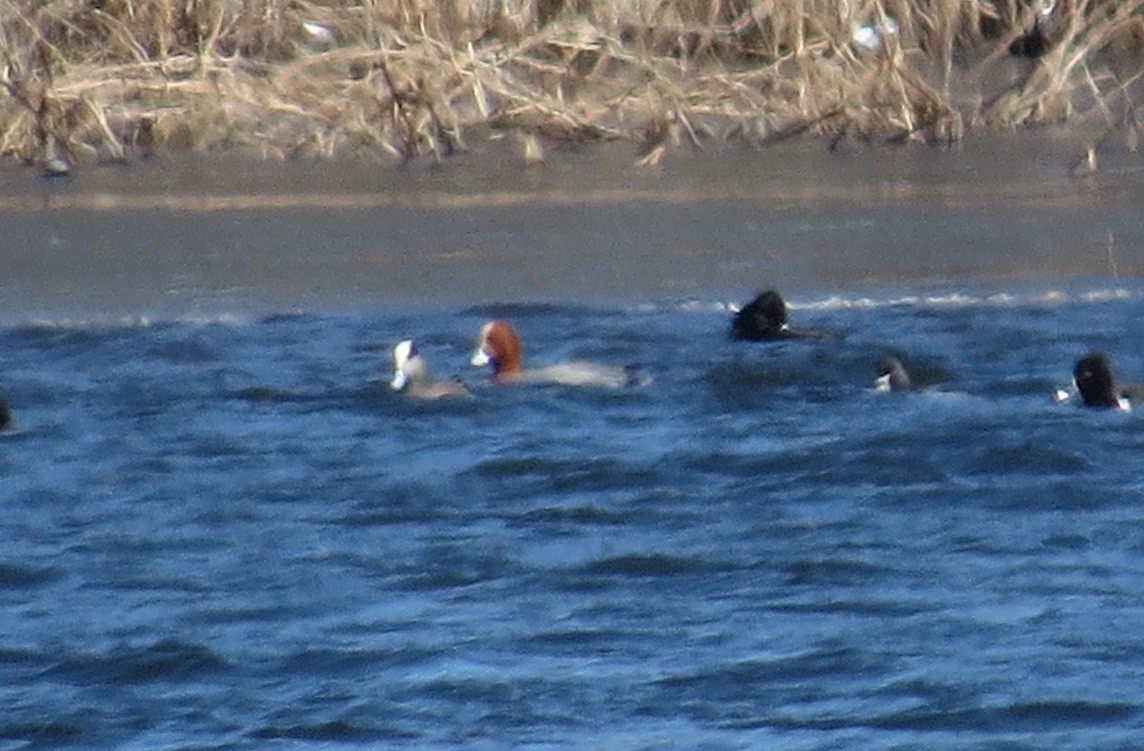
480,359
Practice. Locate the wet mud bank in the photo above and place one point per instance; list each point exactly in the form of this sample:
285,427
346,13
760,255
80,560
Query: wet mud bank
205,233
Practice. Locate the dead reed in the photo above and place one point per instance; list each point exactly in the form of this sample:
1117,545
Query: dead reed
106,79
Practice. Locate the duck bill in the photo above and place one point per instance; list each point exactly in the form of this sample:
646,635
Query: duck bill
480,359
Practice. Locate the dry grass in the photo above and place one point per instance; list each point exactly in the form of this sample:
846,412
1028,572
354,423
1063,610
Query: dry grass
105,79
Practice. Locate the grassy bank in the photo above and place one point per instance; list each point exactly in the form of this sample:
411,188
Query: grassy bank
105,79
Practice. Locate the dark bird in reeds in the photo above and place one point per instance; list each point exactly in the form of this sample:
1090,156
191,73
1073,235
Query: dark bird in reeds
765,319
1043,31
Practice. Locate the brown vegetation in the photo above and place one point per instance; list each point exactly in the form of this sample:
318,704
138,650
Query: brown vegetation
105,79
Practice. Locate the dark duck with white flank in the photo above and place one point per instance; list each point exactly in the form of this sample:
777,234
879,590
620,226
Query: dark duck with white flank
765,319
1097,386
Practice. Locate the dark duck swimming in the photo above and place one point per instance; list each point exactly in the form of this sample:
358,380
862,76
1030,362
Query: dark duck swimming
765,319
1097,386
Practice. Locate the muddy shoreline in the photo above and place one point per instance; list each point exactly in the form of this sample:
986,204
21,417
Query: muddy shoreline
214,234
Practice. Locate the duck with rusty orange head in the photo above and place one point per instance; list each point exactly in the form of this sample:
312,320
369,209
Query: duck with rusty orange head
499,346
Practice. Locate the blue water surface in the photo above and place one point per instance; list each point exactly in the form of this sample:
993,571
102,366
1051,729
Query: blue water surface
226,532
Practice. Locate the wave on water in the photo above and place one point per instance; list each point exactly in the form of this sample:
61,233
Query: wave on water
959,299
967,298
